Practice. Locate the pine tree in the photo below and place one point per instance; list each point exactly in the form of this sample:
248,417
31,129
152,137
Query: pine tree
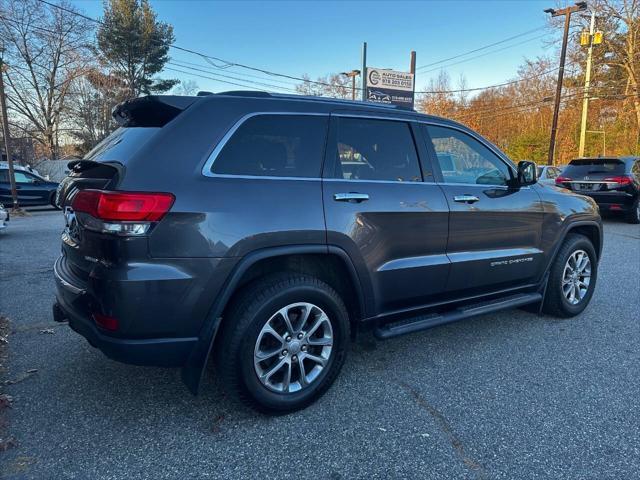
135,45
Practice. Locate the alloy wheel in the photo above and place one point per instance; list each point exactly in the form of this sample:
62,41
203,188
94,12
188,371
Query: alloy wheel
576,277
293,347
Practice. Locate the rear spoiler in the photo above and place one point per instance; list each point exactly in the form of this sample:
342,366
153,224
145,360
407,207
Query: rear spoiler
151,111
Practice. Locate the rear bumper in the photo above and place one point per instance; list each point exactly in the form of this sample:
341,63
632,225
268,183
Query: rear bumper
614,201
75,304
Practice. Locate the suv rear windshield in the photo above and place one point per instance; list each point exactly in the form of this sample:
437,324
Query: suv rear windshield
594,166
121,145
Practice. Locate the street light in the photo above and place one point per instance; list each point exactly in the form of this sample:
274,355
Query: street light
353,74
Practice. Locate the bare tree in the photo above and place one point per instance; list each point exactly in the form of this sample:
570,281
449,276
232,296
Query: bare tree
45,49
624,43
186,87
92,99
440,100
333,85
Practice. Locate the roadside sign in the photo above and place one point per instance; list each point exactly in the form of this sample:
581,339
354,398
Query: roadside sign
390,86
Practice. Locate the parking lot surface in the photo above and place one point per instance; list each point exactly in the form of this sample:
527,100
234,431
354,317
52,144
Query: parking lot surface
505,396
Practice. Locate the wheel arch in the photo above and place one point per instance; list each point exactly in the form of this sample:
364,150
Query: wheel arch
318,260
591,229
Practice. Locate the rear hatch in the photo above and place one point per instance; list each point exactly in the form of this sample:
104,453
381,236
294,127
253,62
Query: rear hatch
98,234
591,175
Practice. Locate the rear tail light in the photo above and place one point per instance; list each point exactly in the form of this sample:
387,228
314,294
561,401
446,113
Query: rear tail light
105,321
620,180
124,213
561,180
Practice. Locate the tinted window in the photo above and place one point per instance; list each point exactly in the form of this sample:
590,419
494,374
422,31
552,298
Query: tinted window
121,144
463,159
578,168
4,176
275,145
375,150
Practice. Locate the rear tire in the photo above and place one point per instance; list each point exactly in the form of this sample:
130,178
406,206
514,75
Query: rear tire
52,201
575,265
633,216
299,365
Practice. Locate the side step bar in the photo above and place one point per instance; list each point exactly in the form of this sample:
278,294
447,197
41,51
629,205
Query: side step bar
422,322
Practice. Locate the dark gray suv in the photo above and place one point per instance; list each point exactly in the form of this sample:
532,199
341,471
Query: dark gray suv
266,230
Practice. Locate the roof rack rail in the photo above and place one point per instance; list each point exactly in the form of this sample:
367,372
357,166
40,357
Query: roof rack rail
245,93
311,98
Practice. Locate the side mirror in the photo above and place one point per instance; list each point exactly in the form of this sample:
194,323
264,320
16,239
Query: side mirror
527,172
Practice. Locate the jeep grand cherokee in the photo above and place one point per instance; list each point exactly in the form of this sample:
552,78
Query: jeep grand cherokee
263,229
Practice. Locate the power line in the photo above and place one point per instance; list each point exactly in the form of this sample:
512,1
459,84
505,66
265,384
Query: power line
512,82
482,48
207,57
211,78
483,54
263,84
227,64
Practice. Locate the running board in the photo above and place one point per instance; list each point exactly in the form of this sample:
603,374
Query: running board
422,322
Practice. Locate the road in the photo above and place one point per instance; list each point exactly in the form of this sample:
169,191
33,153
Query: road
505,396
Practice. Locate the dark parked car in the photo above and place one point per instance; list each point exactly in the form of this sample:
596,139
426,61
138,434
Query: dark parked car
614,183
265,230
32,189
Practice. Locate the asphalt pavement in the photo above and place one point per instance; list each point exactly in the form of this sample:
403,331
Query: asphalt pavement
502,396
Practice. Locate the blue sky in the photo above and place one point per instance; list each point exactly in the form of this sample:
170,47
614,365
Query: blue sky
323,37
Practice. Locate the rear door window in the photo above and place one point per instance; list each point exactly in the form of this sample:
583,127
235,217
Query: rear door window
275,145
375,150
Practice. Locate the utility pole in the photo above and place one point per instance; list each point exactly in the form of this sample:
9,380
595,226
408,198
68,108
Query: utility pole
579,6
587,83
5,133
412,70
353,74
364,71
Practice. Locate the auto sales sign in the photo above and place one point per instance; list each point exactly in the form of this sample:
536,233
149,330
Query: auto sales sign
389,86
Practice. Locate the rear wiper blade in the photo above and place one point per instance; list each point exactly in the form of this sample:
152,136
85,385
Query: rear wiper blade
597,171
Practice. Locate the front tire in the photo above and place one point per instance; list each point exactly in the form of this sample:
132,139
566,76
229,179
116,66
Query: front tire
283,342
572,278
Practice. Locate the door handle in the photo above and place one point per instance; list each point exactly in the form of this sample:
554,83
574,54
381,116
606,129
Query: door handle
351,197
466,199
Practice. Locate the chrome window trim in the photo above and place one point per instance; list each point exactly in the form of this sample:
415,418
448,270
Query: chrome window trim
206,169
509,164
372,117
262,177
359,180
208,164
